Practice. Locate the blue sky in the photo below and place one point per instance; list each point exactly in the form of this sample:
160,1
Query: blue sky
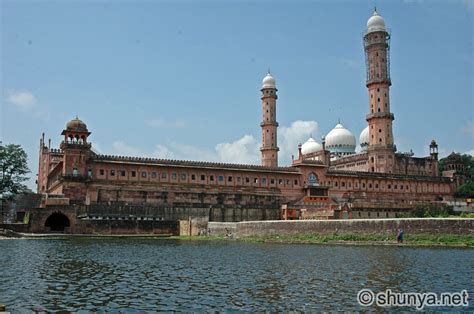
181,79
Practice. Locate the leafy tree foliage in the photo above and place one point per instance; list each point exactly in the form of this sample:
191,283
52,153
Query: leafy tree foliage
13,170
467,189
468,162
441,166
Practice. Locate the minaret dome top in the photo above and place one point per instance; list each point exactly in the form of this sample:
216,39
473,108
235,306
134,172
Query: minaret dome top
375,23
268,81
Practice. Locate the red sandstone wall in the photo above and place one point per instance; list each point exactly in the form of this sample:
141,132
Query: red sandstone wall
128,182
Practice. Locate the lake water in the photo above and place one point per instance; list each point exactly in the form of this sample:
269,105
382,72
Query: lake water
132,275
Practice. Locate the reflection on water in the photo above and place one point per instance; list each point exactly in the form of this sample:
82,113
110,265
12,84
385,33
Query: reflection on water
150,274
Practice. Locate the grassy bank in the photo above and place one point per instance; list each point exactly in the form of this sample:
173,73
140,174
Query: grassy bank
413,239
349,239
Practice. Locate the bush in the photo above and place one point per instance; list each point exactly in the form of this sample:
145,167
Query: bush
430,211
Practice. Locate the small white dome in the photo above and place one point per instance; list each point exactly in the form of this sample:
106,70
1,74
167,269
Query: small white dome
311,146
375,23
268,81
340,139
364,136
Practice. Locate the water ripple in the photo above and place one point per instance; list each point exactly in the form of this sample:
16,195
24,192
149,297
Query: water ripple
135,275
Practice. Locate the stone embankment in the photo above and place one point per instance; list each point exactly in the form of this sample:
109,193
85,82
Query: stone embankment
388,226
7,233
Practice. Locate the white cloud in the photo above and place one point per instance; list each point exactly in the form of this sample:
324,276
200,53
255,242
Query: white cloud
23,100
190,152
242,151
470,152
245,150
97,148
289,138
121,148
163,152
468,128
162,123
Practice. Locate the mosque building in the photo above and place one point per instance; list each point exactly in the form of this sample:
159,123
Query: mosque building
328,179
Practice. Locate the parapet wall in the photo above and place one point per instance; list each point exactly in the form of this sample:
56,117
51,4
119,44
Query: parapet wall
354,226
126,227
135,219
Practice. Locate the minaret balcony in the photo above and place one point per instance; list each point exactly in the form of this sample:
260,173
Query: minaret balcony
269,123
387,115
378,80
376,36
274,96
373,147
262,148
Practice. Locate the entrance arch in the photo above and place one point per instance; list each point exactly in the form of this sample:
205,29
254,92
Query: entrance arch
57,222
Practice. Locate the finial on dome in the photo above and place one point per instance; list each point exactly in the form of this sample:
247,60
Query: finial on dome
375,22
268,81
77,117
338,120
269,71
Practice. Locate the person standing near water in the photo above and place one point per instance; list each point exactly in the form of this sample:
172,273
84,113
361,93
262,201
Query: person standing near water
400,235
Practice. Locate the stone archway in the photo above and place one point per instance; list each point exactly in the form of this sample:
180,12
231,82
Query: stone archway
57,222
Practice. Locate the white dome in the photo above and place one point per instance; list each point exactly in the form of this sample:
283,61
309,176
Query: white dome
311,146
364,136
268,81
364,139
375,23
340,139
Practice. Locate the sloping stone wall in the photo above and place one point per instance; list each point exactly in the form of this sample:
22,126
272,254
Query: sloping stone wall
354,226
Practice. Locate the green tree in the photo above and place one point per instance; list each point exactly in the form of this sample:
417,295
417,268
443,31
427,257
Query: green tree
13,170
468,162
467,189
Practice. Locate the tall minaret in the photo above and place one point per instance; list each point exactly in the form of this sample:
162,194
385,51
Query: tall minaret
377,46
269,125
